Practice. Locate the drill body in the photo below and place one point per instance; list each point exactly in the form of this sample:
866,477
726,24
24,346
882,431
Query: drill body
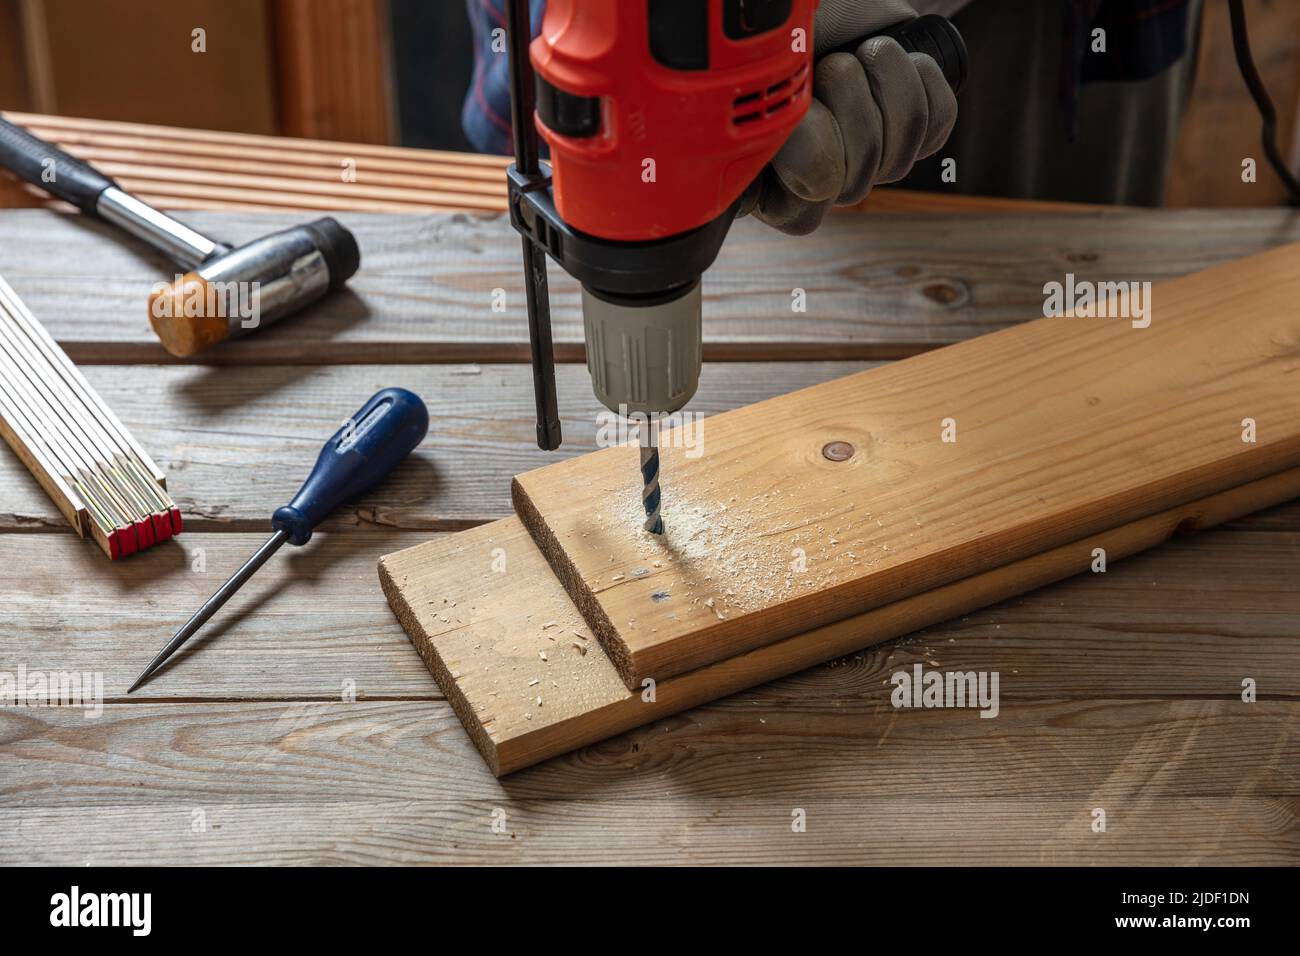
659,115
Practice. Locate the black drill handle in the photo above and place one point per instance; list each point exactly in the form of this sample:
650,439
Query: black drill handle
933,35
44,164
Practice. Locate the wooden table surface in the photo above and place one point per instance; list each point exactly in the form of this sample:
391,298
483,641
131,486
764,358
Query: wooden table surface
301,727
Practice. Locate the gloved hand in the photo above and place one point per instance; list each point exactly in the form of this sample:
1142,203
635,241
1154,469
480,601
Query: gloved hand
874,113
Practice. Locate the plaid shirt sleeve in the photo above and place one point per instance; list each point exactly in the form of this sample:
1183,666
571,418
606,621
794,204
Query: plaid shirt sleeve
485,115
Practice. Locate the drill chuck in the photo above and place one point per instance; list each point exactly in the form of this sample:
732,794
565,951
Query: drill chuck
643,352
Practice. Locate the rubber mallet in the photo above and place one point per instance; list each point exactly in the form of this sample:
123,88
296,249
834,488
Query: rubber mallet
225,291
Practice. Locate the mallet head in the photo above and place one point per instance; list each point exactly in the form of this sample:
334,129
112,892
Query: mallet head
235,291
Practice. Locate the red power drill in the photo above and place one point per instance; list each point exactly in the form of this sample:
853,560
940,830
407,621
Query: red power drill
659,115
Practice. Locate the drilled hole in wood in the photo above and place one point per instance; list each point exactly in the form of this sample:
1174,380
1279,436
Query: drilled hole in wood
837,451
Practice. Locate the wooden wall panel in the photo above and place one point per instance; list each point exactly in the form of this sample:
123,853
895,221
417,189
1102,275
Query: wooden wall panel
334,69
13,78
126,60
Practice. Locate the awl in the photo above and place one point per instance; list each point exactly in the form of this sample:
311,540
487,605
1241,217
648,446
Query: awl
358,456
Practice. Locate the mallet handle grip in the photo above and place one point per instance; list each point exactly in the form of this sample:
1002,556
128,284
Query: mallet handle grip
45,165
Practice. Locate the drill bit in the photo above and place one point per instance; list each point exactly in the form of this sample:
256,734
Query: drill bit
650,476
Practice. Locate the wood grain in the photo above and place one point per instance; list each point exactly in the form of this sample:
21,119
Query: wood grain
1064,427
297,783
262,645
901,831
15,86
334,68
529,681
237,443
116,58
190,169
1182,621
877,287
1113,687
251,753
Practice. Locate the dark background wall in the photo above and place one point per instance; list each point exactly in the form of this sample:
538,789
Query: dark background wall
432,58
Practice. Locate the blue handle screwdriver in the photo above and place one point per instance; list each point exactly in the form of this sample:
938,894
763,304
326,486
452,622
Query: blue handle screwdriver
359,455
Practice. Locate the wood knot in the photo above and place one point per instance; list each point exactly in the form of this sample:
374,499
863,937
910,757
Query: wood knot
837,451
945,293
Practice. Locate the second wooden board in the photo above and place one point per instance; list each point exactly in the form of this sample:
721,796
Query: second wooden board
810,508
521,670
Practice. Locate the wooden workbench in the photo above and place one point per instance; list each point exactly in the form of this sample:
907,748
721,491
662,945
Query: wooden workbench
306,729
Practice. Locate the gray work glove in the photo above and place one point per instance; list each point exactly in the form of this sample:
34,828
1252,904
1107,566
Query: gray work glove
874,113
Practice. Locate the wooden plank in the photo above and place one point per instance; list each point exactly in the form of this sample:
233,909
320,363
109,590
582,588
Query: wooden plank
468,194
526,677
151,132
1185,620
295,194
214,425
215,155
765,537
876,287
1025,789
278,171
311,625
891,199
236,445
1282,518
301,177
246,753
912,831
277,156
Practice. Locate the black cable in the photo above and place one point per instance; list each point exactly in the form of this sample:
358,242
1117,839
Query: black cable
1246,63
